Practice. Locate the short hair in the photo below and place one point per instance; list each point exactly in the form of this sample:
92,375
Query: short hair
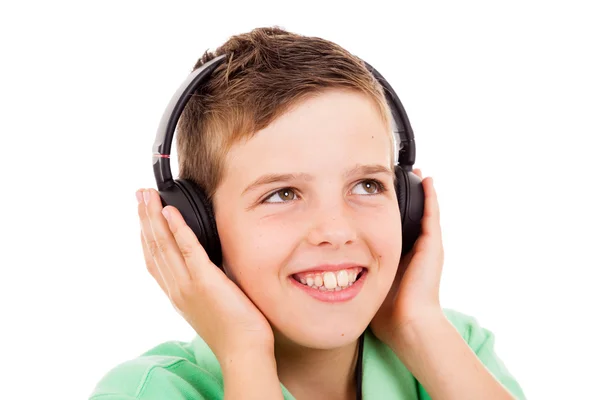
266,72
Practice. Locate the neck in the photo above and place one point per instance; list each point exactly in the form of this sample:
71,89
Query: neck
317,374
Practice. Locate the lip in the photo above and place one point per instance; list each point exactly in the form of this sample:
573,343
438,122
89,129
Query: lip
343,295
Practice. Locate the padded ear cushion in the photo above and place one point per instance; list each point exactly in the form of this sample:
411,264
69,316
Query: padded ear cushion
197,212
401,190
411,200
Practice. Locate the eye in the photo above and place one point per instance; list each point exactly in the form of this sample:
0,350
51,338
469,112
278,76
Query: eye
281,196
368,187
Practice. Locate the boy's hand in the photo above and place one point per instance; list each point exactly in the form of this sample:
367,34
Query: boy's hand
210,302
414,295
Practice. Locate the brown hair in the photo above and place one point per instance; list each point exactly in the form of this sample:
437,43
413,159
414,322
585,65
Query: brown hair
267,71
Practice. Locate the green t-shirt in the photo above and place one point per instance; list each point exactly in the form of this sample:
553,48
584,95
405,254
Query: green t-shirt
190,371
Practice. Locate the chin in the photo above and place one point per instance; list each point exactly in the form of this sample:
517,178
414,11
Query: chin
321,336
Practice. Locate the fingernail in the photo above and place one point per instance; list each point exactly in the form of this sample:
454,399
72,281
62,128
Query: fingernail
146,196
138,196
165,212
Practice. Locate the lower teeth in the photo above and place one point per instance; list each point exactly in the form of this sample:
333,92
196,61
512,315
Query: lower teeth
335,289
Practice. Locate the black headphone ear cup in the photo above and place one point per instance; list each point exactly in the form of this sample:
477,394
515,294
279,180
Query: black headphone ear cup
193,204
411,200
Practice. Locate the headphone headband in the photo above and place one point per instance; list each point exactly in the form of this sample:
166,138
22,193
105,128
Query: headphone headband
408,152
161,149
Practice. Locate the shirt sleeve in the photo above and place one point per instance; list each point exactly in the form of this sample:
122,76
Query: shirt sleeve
481,341
157,378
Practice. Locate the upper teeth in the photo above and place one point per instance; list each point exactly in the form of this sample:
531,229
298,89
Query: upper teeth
330,280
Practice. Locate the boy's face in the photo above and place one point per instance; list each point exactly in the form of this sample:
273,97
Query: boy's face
317,202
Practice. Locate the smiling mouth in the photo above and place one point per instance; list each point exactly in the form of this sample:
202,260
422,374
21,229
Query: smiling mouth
330,281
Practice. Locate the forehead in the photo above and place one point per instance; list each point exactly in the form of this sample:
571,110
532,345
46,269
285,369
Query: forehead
325,134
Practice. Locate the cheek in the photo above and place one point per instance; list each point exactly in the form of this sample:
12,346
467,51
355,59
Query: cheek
254,254
386,245
254,248
383,231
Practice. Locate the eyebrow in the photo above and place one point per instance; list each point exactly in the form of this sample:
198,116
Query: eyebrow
356,170
368,170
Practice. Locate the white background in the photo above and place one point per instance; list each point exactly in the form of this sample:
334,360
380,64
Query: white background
503,98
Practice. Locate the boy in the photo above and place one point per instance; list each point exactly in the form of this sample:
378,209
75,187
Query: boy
291,139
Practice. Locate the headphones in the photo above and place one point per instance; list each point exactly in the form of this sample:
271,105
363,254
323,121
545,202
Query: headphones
191,200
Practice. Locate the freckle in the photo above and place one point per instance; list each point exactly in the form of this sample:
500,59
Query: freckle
342,334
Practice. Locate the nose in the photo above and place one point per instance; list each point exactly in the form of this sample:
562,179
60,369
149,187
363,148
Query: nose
333,226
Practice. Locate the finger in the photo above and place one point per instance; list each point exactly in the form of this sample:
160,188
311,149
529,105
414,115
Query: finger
418,172
431,213
151,265
196,258
152,248
164,240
